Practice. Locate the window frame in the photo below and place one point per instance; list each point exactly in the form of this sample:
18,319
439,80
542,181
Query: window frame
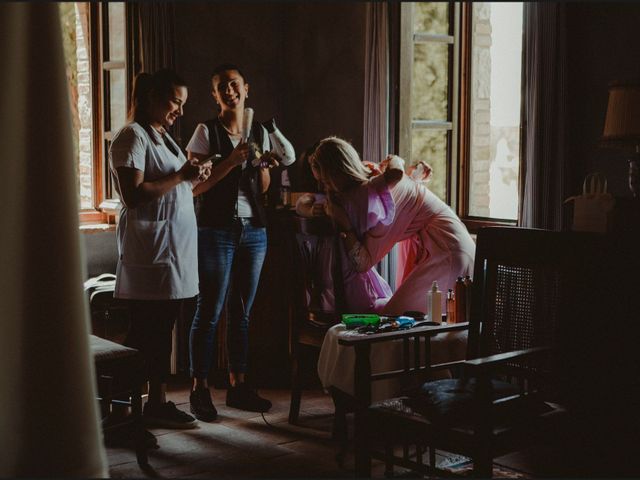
459,105
104,205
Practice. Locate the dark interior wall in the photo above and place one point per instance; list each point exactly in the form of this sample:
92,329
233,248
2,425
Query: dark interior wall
246,34
603,44
304,62
324,65
101,252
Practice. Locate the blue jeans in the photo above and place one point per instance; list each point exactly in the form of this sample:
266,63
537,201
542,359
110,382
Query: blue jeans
229,260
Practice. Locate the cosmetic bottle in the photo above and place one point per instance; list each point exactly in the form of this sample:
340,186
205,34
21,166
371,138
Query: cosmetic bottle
459,293
451,307
434,303
468,286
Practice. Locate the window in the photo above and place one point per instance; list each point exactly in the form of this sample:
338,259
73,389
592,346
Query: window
460,98
100,52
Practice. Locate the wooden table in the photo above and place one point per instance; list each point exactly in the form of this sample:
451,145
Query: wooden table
416,356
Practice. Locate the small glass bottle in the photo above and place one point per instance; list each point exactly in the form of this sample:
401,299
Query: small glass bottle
461,304
451,307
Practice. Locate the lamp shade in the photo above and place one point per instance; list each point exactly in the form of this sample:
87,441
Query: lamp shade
622,122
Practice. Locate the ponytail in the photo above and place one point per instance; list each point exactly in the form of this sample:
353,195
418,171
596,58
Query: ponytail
140,97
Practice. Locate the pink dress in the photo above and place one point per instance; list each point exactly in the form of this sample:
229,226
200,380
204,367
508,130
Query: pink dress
440,245
364,292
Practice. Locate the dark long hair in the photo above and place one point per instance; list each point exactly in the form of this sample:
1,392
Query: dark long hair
149,87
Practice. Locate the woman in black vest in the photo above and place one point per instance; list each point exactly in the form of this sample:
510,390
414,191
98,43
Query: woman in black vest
232,240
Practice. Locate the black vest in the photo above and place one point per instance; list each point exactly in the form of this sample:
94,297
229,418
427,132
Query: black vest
217,206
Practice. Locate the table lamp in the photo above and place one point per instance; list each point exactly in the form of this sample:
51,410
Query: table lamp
622,126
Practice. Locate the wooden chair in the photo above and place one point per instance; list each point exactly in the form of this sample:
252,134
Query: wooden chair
318,297
120,377
526,285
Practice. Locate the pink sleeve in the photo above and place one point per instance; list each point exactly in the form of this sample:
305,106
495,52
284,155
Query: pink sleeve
380,214
381,208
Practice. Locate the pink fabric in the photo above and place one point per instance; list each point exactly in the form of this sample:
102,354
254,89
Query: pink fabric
406,259
367,291
438,245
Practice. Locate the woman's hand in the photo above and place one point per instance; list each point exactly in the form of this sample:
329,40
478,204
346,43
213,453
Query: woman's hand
421,172
190,170
393,169
205,172
269,160
392,161
239,154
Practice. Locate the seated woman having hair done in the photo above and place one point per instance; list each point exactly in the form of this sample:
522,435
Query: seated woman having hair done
374,212
365,291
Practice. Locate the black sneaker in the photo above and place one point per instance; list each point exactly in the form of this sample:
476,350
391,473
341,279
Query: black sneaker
167,415
126,437
202,406
243,398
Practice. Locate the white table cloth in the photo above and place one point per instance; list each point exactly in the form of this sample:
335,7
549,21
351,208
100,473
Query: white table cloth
336,364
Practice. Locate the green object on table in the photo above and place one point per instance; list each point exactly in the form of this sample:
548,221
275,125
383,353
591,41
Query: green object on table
355,320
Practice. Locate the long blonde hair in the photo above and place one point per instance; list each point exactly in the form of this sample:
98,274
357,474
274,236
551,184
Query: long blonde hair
335,157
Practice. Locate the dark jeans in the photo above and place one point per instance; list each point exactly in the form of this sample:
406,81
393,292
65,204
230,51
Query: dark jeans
150,332
229,259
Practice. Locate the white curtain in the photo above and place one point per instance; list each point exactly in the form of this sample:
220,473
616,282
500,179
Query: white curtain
49,425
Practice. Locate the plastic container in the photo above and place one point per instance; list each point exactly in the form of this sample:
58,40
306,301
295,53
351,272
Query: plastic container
434,303
355,320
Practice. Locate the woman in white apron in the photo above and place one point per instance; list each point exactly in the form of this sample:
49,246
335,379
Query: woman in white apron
157,234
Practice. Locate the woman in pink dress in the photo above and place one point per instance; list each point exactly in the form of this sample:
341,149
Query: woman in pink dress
364,291
374,213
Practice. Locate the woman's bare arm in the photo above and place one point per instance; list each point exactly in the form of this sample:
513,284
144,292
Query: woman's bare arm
135,191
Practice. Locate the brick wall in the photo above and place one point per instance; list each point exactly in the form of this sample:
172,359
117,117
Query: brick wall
481,115
84,109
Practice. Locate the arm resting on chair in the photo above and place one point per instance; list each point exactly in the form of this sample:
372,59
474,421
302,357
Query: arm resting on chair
492,361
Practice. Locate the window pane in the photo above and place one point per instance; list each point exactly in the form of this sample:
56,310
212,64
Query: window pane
431,17
430,146
495,109
118,100
117,38
430,81
76,51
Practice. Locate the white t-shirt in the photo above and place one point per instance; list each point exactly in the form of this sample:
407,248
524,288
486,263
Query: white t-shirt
199,143
157,240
